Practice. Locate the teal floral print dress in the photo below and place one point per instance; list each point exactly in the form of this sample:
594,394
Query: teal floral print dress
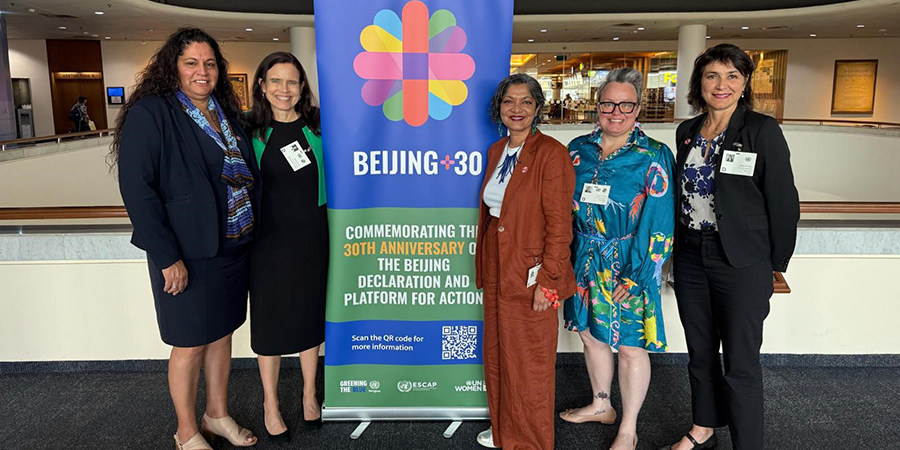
624,242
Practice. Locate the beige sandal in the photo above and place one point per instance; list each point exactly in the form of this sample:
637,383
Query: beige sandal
228,429
195,443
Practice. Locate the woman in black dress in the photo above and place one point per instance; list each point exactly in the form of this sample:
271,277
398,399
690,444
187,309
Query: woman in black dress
290,256
187,176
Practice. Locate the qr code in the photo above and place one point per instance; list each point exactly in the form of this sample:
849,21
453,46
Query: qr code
458,342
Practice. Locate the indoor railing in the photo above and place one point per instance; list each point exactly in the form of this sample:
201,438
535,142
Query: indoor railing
118,212
58,138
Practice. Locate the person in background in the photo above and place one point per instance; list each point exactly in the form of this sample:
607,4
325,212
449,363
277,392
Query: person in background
188,179
623,236
78,115
522,262
289,262
737,212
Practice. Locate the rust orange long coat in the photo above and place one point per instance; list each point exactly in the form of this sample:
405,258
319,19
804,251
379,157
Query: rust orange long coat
536,218
535,226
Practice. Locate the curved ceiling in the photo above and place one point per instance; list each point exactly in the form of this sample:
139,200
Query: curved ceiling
150,20
526,7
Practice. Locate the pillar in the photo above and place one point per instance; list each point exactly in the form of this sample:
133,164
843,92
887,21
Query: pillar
7,107
691,43
303,46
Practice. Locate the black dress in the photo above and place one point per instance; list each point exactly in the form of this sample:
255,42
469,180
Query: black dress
289,260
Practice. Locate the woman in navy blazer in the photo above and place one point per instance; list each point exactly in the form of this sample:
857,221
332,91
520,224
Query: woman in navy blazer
188,179
736,221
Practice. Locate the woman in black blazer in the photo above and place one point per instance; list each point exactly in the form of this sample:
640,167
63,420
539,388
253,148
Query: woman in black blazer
736,222
187,176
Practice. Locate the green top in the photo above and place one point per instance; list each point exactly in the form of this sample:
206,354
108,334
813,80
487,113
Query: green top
314,141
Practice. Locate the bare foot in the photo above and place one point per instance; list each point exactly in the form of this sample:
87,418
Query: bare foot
311,410
624,441
273,420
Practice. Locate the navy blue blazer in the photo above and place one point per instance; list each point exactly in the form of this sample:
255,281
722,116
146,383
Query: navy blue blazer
168,193
756,216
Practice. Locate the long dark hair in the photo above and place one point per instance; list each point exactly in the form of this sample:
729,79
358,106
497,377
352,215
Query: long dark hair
725,54
260,118
160,78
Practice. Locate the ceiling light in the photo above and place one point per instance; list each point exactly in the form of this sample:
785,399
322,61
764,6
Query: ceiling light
248,29
860,26
31,9
812,34
106,37
549,60
62,28
86,33
531,40
640,28
99,13
745,28
707,37
274,39
95,35
616,38
150,29
543,31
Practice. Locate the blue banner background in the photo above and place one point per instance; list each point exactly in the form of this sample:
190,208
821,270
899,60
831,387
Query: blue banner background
349,124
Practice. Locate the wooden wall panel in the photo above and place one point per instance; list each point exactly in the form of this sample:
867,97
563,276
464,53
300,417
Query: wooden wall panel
75,56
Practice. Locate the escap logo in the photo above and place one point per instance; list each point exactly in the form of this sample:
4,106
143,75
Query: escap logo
413,65
404,386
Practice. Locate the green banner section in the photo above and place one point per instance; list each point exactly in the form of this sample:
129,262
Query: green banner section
379,386
403,264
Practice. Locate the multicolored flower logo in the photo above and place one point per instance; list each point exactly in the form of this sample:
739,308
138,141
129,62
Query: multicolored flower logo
414,66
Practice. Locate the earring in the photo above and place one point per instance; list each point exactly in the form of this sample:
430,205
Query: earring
500,128
742,95
533,127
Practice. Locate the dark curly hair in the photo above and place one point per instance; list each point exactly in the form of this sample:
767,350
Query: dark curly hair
725,54
534,88
160,78
260,117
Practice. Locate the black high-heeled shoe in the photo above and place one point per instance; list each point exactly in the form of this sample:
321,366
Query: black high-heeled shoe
314,424
709,444
281,438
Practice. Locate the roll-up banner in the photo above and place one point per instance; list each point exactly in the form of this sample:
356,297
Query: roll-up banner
405,88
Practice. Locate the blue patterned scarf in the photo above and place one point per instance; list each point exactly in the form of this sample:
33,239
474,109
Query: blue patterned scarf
235,173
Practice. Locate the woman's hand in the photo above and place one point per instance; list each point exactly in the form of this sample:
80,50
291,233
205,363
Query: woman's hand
541,301
621,294
176,277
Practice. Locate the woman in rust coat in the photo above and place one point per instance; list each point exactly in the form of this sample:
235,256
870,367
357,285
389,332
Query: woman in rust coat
522,263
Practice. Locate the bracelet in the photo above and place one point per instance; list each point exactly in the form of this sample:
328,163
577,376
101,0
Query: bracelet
552,295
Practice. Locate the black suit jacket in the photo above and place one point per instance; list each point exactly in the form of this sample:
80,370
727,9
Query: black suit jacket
168,192
756,216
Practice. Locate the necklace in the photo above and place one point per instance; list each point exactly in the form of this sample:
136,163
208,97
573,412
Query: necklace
715,132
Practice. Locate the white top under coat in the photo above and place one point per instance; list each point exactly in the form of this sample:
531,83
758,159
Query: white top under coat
495,189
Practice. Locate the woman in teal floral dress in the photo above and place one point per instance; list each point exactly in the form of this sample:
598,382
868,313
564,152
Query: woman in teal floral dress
623,217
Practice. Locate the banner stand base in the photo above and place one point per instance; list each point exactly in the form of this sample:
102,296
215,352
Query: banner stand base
448,433
430,413
359,430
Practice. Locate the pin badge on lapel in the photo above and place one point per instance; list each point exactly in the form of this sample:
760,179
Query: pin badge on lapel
524,169
687,141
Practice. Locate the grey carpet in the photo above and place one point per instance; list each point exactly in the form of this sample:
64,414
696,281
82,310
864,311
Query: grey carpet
807,407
